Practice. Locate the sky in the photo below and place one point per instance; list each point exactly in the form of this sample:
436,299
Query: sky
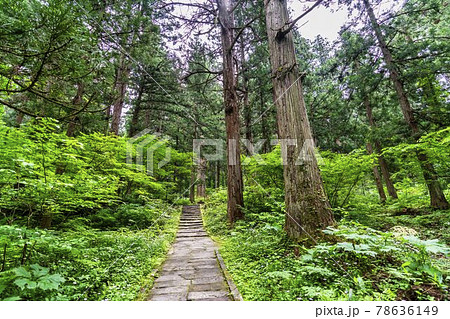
321,21
327,22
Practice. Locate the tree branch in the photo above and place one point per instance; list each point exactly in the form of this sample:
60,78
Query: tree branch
281,33
242,30
18,109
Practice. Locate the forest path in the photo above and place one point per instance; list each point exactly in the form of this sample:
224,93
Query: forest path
194,269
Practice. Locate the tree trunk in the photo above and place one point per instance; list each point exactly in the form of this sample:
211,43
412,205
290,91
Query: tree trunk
46,221
262,110
123,73
192,186
19,118
77,101
381,161
136,111
307,207
234,177
246,104
376,175
147,118
437,197
385,172
217,179
201,177
107,118
193,170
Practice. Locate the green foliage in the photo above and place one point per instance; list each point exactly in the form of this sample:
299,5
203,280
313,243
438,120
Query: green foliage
33,283
355,263
84,265
343,173
113,226
435,145
47,173
264,169
131,216
37,278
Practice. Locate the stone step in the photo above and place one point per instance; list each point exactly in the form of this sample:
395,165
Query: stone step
184,227
191,271
202,295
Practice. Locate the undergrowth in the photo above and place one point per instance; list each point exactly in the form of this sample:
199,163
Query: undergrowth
359,263
83,263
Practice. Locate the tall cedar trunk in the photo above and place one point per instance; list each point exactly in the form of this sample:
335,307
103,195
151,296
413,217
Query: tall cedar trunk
262,110
385,172
234,177
19,118
46,221
192,185
381,161
376,175
77,100
136,111
147,118
437,197
107,118
193,171
217,179
246,104
201,177
307,206
123,73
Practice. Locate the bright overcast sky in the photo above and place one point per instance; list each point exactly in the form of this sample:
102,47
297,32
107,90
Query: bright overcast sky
322,21
326,22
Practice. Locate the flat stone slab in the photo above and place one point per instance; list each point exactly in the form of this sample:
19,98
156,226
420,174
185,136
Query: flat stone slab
171,283
211,286
208,280
173,290
169,297
191,271
202,295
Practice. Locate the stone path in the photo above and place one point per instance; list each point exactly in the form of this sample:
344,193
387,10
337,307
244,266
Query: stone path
193,269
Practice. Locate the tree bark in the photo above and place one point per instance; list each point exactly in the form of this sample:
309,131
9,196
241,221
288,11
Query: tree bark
192,186
264,129
77,101
201,176
246,104
148,118
193,169
385,172
437,197
217,179
46,221
134,124
377,176
234,177
123,73
307,207
19,118
107,118
381,161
